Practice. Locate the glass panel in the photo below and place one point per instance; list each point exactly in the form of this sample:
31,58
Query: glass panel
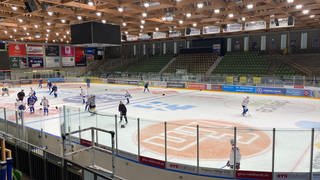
127,135
316,152
292,151
2,120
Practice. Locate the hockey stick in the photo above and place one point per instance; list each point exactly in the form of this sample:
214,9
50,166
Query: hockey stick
224,166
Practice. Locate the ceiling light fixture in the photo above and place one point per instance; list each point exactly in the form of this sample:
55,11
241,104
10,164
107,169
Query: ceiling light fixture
79,18
63,20
180,22
249,6
14,30
188,15
312,16
120,9
306,11
50,13
48,30
299,6
24,28
141,27
124,24
57,34
103,21
20,20
144,14
6,32
14,8
290,1
194,24
36,26
90,3
230,15
217,11
49,23
68,32
126,32
157,29
243,19
27,34
200,5
98,14
146,5
143,21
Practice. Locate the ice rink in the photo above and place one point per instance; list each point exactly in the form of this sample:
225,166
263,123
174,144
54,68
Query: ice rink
216,113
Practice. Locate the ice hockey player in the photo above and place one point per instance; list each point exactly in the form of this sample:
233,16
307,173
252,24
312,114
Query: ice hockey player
127,95
54,90
235,156
92,104
21,95
5,90
40,83
45,104
146,87
32,92
49,85
123,112
31,102
88,81
82,95
245,103
21,107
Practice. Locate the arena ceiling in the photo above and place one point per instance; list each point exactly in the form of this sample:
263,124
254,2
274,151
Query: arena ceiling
51,19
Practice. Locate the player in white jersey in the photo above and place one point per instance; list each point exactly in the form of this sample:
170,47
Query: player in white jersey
82,95
244,104
45,103
127,95
235,156
21,107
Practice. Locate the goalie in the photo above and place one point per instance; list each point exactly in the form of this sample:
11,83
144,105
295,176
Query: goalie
235,156
5,91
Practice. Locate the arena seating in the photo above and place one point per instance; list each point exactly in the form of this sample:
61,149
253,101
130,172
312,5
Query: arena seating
154,64
193,63
285,69
243,63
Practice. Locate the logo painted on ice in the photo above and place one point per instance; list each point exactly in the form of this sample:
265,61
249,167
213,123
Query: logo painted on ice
100,98
161,106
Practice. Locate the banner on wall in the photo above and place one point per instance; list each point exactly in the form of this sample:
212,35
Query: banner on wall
52,62
282,22
80,57
18,62
211,30
255,25
34,50
159,35
235,27
67,51
132,38
17,50
67,61
174,34
90,50
52,51
35,62
192,32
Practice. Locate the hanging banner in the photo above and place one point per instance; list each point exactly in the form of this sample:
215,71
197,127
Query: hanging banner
255,25
34,50
132,38
52,51
282,22
192,31
159,35
174,34
80,57
90,50
232,27
67,51
143,36
52,62
67,61
35,62
14,62
17,50
211,30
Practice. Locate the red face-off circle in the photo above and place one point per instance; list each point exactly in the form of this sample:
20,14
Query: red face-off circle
214,139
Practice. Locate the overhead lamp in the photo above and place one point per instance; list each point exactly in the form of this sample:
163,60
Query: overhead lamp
61,40
163,18
36,26
180,22
249,6
24,28
124,24
63,20
10,36
79,18
243,19
64,36
146,4
230,15
68,32
49,23
298,6
144,14
98,14
141,26
20,20
126,32
157,29
290,1
143,21
6,32
312,16
27,34
306,11
120,9
194,24
14,8
48,30
54,40
90,3
188,15
37,36
217,11
14,30
200,5
50,13
103,21
47,35
57,34
67,42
